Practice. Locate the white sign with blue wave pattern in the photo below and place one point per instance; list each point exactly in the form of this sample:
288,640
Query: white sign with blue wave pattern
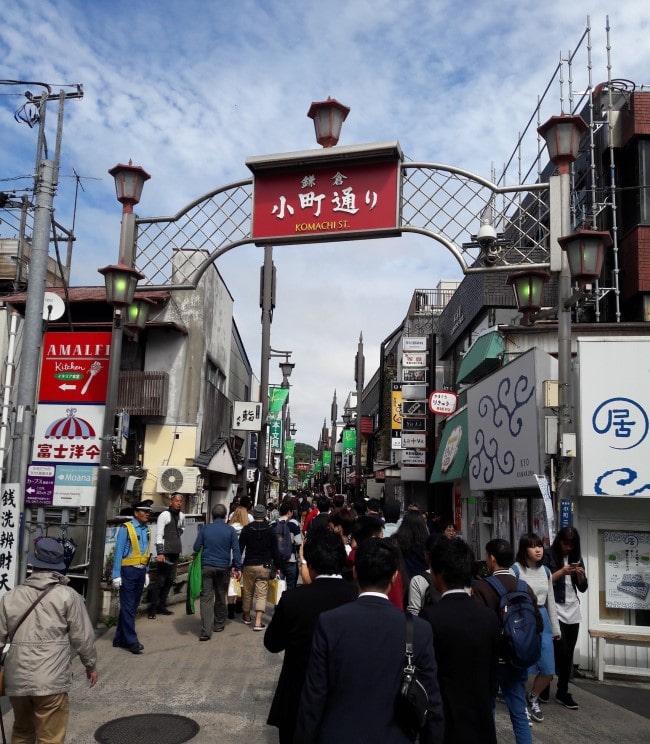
615,416
505,421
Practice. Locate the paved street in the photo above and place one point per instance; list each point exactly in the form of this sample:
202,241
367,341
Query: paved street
226,685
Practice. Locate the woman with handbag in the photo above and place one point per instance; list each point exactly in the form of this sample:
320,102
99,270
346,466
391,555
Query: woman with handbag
259,548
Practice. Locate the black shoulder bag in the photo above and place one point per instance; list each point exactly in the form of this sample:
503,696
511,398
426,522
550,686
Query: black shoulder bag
412,703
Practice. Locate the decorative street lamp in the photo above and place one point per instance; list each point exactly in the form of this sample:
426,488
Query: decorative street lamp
528,287
585,251
121,281
137,313
328,119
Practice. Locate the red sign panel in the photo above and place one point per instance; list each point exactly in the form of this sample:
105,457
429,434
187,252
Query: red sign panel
75,367
325,201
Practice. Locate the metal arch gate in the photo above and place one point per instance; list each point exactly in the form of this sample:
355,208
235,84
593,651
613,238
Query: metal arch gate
438,201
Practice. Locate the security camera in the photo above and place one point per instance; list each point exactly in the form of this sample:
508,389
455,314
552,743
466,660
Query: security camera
487,238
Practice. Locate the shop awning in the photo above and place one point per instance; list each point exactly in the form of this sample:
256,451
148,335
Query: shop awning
451,459
484,356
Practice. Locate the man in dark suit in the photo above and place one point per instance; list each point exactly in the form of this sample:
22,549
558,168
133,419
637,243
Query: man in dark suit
292,627
466,642
355,668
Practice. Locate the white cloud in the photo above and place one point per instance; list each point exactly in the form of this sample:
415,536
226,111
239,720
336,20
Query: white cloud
190,90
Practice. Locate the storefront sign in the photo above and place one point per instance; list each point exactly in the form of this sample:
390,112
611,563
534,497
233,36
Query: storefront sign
443,402
414,457
505,417
246,416
414,408
414,424
614,416
323,196
68,434
414,343
414,359
414,440
414,375
10,515
414,392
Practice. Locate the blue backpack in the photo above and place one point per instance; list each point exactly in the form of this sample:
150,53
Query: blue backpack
520,633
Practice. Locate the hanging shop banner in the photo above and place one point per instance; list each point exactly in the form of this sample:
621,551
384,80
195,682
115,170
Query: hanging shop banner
326,194
627,570
9,534
246,415
327,457
614,416
318,466
277,398
289,447
75,367
290,463
545,490
349,441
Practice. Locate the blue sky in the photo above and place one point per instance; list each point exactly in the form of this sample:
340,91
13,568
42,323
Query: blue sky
190,90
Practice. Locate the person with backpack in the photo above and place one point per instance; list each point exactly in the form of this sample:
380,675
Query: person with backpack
496,592
288,534
528,566
422,590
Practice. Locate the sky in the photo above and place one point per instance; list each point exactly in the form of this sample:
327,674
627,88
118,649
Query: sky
190,90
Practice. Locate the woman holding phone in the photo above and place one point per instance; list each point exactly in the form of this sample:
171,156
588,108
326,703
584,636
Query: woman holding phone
565,562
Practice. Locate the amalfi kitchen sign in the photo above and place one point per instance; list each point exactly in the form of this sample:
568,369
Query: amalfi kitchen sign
334,193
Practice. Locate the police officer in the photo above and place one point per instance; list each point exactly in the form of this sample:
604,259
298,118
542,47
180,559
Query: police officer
131,573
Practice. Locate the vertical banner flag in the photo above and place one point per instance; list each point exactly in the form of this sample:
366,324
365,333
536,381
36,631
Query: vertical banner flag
289,447
277,398
349,441
327,457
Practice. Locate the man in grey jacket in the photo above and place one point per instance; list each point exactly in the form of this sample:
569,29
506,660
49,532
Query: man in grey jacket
38,668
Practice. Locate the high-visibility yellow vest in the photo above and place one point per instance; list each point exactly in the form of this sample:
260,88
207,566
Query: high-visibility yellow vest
136,558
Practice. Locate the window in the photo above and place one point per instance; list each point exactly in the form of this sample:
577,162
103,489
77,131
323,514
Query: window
214,376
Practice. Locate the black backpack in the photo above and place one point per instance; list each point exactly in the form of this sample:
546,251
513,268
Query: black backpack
431,595
520,632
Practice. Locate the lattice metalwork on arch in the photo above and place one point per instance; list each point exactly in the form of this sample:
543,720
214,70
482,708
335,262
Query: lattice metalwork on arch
439,201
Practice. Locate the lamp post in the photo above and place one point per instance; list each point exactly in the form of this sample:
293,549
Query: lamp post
333,416
359,372
581,260
121,281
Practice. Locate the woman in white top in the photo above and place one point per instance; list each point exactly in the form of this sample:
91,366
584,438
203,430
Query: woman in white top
528,566
564,559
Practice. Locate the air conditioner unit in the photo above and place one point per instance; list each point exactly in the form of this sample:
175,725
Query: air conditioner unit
177,479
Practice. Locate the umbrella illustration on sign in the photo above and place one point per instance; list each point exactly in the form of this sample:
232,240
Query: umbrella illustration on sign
70,427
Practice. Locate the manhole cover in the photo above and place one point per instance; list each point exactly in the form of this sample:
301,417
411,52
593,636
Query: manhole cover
148,728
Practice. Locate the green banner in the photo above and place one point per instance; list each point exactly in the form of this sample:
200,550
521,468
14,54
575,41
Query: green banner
289,447
327,457
349,441
277,398
318,466
289,460
275,435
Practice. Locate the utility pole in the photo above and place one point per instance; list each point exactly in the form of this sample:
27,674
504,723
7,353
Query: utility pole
45,184
359,371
